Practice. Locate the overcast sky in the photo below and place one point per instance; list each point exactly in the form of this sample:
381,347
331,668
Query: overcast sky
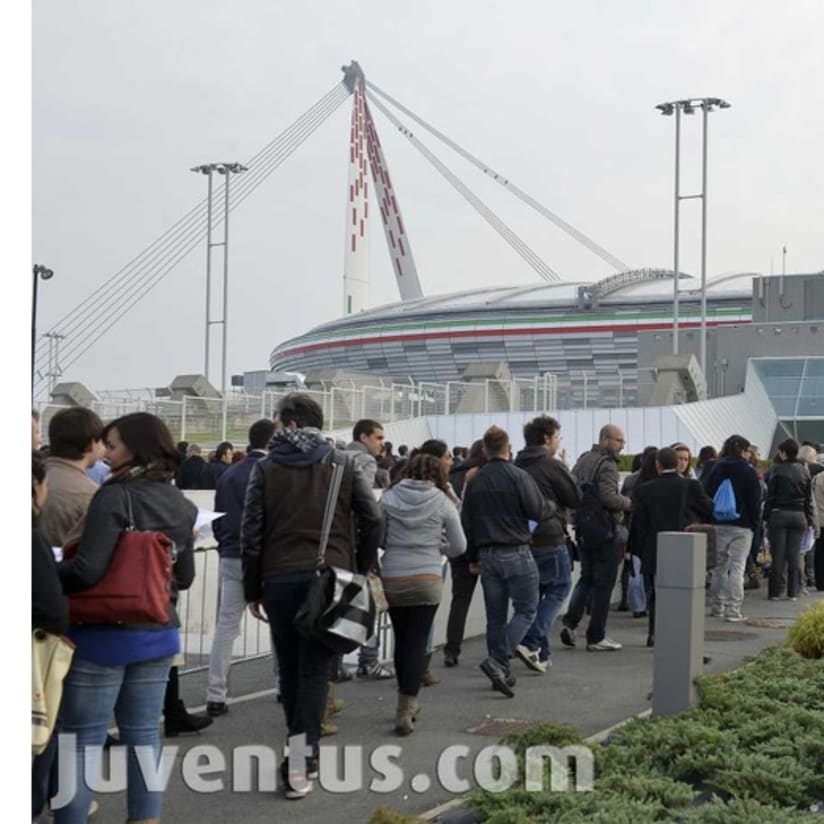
558,96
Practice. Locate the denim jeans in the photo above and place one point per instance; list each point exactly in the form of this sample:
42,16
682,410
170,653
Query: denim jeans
636,593
227,629
785,531
305,666
732,545
134,695
508,573
554,584
599,569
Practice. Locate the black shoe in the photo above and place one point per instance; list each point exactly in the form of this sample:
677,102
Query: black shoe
450,660
650,641
639,614
706,659
622,607
185,724
497,676
216,708
568,636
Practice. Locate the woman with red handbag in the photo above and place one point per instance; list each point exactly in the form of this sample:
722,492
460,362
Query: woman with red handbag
138,529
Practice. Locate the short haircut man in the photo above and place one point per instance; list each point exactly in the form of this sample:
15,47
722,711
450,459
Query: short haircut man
286,503
403,450
229,498
539,430
73,433
667,459
74,436
497,506
301,410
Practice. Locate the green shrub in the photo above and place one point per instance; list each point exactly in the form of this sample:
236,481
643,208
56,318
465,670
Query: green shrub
742,811
806,635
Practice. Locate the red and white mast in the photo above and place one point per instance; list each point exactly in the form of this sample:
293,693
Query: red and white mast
364,143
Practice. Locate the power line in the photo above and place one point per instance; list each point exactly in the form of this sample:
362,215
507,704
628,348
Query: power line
189,222
176,247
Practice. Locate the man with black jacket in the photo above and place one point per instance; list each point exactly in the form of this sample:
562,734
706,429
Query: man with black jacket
497,508
543,438
599,560
668,503
279,541
229,498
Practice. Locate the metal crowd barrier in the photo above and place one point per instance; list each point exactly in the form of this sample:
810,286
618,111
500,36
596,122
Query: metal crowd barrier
198,610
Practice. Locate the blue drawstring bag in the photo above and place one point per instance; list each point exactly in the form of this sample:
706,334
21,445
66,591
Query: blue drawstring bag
725,507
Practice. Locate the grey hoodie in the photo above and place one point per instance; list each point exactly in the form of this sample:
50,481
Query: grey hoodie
421,524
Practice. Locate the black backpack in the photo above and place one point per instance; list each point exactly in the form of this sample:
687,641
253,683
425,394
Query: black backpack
594,526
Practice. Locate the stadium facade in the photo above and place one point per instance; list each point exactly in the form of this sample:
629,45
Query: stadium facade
585,333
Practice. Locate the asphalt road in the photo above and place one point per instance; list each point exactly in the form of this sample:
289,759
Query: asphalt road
590,691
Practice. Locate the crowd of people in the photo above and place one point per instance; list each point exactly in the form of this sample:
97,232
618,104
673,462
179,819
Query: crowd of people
518,521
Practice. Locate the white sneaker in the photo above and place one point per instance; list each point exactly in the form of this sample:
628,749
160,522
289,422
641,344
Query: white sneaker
604,645
531,658
717,613
735,618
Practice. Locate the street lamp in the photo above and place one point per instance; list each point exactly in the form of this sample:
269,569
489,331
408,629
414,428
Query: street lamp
209,169
39,271
688,106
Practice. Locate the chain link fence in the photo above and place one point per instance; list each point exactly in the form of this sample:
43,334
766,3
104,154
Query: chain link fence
208,421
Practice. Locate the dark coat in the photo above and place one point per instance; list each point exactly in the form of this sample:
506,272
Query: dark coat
229,498
668,503
156,506
745,484
195,473
49,606
557,485
498,505
283,516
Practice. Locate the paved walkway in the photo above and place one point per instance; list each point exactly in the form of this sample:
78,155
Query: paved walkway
590,691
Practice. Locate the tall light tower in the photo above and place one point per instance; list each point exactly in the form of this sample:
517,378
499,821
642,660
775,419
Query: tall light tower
227,169
688,106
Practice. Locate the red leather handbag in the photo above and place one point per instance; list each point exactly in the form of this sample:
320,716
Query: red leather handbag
137,586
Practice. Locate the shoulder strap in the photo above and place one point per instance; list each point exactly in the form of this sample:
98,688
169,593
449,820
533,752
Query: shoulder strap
597,470
130,526
338,467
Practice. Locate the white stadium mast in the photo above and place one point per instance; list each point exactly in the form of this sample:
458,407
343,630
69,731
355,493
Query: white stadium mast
363,143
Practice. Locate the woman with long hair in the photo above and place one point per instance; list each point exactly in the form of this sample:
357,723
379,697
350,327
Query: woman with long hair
788,513
421,525
122,669
707,456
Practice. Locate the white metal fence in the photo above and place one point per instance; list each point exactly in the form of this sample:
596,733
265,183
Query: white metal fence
201,420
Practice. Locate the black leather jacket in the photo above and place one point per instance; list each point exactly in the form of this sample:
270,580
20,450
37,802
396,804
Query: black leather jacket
498,505
790,490
157,506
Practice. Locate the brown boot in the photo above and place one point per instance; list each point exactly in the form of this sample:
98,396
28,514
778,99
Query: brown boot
333,705
429,678
408,709
326,726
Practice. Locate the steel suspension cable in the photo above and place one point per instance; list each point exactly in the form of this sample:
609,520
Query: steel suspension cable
172,235
486,213
178,247
587,242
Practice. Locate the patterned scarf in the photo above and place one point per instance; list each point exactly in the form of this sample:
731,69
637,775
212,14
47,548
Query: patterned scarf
305,439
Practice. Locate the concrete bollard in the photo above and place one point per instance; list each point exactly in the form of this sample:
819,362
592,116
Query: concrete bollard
679,620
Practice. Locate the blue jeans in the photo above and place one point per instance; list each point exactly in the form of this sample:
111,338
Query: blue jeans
554,584
508,573
134,695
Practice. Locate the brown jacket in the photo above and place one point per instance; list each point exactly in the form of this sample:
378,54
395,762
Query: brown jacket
70,493
283,515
